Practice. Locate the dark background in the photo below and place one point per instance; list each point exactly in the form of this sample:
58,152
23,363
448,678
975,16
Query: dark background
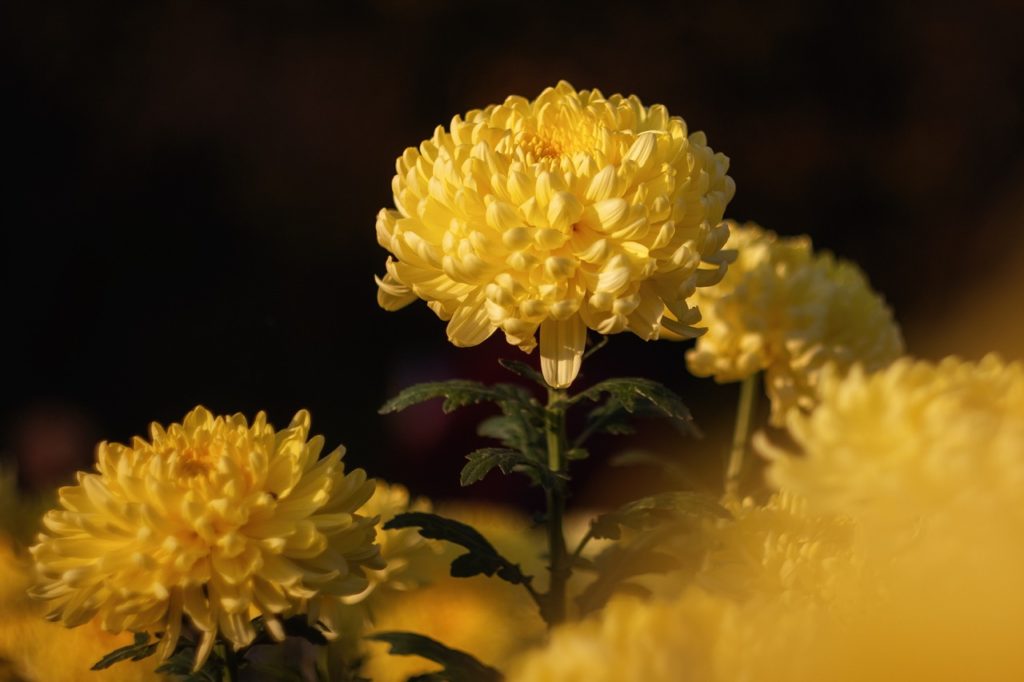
188,214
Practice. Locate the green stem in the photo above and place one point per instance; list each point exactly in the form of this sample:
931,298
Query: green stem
587,537
230,664
555,498
744,414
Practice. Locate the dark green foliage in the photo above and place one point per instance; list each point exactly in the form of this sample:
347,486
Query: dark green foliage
137,651
481,557
650,511
628,398
457,666
483,460
458,393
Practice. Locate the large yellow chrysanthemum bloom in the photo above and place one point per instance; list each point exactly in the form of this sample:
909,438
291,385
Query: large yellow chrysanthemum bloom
214,520
566,212
788,311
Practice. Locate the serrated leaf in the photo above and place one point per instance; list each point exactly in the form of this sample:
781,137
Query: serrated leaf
481,558
456,393
648,511
631,396
524,370
483,460
457,666
627,391
136,651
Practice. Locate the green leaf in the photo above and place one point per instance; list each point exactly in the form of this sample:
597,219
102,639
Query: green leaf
631,391
521,426
649,511
457,666
456,393
481,558
524,370
483,460
137,651
508,461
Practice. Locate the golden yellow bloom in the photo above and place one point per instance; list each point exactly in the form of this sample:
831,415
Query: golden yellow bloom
910,440
783,309
213,519
567,212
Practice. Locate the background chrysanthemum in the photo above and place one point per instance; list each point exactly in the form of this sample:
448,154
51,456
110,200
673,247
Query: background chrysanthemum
789,311
411,561
568,212
212,521
912,439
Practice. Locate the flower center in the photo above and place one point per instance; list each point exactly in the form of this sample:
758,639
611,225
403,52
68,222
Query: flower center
540,147
196,461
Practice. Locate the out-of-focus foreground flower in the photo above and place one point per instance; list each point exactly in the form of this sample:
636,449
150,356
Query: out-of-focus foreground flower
903,562
566,212
213,520
783,309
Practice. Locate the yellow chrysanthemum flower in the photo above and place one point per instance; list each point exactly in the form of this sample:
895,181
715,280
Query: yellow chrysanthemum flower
910,440
214,520
789,311
566,212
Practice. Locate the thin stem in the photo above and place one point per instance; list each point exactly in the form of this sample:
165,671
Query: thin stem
231,664
744,414
555,498
587,537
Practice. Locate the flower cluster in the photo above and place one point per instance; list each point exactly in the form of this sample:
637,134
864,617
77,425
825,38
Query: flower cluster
568,212
213,520
912,572
788,311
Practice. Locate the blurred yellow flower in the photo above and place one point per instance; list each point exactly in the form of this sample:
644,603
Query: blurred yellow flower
912,440
213,519
566,212
34,650
486,617
778,549
411,562
788,311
